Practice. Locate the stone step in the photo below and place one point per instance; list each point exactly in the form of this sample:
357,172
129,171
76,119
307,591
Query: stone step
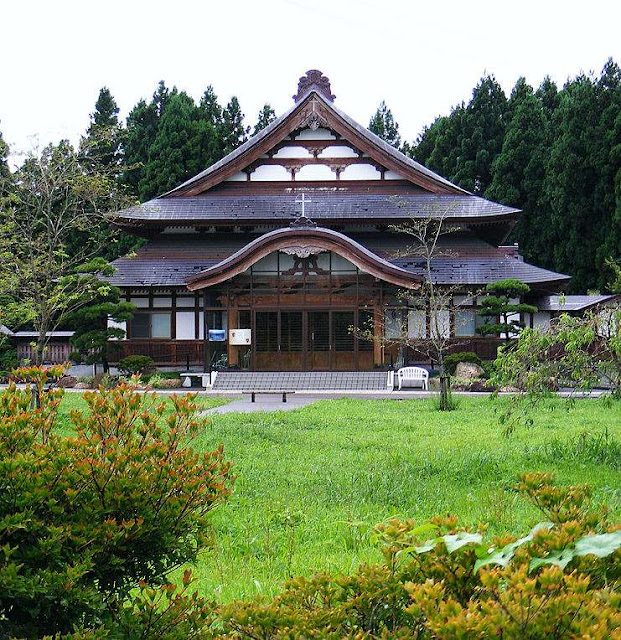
301,381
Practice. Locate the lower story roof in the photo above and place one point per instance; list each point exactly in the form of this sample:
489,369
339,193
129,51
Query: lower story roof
170,260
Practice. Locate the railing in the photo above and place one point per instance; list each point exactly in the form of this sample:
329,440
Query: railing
163,352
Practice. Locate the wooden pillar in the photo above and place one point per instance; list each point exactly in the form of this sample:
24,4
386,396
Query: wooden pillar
233,350
377,334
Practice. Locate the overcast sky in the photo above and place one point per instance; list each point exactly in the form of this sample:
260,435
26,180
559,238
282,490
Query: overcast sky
421,57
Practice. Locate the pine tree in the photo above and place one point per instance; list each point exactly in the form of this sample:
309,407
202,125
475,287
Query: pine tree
104,136
176,153
142,127
519,170
580,181
502,305
266,115
4,155
383,124
233,131
481,136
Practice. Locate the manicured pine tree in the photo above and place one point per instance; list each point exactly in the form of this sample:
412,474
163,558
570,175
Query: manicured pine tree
499,307
383,124
266,115
233,131
519,171
90,323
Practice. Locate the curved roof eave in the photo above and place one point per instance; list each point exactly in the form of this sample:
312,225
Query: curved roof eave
304,241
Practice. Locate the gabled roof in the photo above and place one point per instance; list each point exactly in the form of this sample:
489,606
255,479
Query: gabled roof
315,110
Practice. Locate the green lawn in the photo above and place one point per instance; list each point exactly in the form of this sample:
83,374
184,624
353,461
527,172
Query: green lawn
311,483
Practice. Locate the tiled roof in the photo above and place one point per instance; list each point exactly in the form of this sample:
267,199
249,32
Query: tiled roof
362,131
170,259
327,205
571,303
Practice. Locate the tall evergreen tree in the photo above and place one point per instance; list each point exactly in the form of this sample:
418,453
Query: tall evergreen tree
4,163
580,181
482,134
142,127
233,131
383,124
519,170
266,115
176,153
103,142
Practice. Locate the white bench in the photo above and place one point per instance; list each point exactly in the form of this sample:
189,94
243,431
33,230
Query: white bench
206,380
416,375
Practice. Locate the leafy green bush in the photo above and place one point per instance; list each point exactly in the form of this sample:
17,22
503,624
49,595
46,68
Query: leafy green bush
451,361
439,580
86,520
133,365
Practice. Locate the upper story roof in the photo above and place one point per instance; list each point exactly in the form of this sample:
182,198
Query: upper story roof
314,148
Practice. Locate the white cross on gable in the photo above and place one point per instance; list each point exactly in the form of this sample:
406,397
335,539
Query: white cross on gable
303,201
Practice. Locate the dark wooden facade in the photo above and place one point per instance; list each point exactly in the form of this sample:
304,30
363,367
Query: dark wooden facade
223,253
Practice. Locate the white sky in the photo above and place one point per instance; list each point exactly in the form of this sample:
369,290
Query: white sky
421,57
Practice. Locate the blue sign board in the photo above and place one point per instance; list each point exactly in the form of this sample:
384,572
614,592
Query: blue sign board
217,335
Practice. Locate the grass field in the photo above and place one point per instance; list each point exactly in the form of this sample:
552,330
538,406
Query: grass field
311,483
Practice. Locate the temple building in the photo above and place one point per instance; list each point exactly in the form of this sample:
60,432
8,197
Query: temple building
266,260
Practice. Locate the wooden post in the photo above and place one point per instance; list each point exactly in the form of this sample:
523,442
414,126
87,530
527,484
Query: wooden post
377,334
233,350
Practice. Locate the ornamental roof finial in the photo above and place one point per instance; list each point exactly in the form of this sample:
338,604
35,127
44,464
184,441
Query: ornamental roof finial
314,79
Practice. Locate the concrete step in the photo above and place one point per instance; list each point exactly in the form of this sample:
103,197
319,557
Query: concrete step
301,381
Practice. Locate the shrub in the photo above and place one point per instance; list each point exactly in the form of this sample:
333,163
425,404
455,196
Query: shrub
135,365
439,580
451,361
105,381
85,520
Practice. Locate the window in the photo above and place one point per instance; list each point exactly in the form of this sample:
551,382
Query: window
465,322
140,325
392,320
440,323
417,323
150,325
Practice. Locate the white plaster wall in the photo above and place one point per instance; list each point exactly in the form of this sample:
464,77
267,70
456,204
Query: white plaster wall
201,325
360,172
186,301
140,303
320,134
392,175
293,152
270,172
185,325
162,302
117,325
315,172
541,320
336,151
240,176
